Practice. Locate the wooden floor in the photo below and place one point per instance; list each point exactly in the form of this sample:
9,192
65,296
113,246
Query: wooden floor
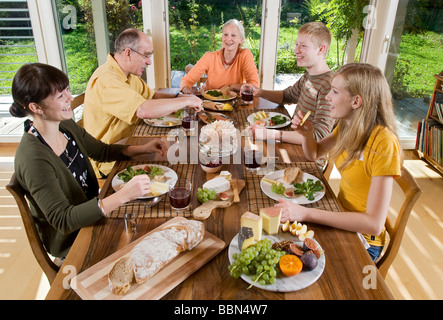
417,272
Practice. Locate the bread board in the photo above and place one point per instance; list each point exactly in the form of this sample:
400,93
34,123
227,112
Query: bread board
92,284
204,211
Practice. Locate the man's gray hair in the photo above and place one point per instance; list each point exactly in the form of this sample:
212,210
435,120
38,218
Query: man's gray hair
127,39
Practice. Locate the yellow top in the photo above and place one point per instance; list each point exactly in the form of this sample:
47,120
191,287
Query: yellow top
381,158
111,102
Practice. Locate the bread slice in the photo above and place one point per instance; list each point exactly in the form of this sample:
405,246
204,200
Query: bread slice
290,174
121,276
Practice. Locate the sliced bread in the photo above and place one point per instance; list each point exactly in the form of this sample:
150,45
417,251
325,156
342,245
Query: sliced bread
290,174
121,276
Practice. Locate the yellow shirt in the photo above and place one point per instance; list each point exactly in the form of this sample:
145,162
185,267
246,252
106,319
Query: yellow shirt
381,158
111,102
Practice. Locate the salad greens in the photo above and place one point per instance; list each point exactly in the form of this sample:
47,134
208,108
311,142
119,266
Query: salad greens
130,173
308,188
278,119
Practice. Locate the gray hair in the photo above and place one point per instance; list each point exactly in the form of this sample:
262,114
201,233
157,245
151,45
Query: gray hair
238,24
127,39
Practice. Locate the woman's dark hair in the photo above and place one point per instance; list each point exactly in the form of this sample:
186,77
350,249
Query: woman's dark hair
33,83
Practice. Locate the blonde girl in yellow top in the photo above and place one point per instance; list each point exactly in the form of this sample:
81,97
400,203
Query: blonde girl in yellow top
367,152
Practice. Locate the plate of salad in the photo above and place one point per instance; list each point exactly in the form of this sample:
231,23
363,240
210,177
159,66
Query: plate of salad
218,95
270,120
306,189
154,171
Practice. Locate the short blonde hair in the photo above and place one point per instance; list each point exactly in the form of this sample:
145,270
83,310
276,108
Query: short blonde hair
319,33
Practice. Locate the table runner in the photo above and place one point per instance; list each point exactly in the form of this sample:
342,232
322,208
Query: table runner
258,199
161,209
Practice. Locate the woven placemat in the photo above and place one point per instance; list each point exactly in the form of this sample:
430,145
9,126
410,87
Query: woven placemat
161,209
243,114
257,199
143,129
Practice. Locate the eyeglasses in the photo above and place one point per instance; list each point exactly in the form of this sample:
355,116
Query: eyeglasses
147,56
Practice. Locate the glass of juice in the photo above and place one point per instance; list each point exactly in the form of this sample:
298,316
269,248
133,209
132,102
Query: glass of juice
180,195
188,119
253,159
247,96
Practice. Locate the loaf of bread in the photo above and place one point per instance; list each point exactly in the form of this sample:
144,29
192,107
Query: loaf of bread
290,174
155,251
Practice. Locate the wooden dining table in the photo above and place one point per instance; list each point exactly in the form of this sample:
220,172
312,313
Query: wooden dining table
349,272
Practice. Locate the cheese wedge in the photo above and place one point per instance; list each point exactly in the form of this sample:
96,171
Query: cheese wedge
218,184
158,188
245,238
248,219
271,219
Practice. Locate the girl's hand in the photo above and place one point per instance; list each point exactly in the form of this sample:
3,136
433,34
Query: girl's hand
156,146
290,211
306,129
135,188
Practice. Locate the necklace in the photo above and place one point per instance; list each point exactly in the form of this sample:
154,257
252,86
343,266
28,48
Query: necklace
233,59
58,146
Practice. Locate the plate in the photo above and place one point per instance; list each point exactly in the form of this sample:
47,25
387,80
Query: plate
251,119
298,198
170,120
170,176
210,117
232,95
284,284
214,106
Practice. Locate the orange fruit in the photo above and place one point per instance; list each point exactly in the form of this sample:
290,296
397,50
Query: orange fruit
290,265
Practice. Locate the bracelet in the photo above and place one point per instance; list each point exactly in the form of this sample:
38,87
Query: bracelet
100,206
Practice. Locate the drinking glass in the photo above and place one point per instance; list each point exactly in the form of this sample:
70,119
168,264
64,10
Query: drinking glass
130,222
253,159
247,96
180,195
188,119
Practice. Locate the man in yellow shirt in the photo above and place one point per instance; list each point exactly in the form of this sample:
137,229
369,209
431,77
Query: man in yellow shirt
116,95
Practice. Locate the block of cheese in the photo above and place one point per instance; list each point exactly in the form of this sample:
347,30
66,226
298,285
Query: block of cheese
158,188
218,184
245,238
271,219
248,219
226,174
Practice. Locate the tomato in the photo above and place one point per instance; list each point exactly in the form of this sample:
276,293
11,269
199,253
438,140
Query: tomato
290,265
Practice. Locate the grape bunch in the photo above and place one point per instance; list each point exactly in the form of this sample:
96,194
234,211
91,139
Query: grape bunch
204,195
259,261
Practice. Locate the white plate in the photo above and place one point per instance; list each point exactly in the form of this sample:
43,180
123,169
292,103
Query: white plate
170,178
251,120
284,284
232,95
164,122
298,198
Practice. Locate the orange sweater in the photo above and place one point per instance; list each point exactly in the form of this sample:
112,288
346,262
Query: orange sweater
242,70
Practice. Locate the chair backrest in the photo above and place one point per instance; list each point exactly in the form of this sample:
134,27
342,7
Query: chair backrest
77,102
48,266
412,192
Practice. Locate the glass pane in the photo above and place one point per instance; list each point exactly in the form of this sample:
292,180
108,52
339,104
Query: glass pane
195,27
78,35
345,19
17,45
415,55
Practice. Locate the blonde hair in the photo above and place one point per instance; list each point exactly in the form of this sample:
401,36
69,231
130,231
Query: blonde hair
368,82
319,33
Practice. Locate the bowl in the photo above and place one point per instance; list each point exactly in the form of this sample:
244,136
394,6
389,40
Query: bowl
211,168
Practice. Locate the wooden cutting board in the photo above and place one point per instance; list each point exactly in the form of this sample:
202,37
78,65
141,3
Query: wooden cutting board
92,284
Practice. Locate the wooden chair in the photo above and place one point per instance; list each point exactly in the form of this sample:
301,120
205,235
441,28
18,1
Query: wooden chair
412,192
77,102
39,251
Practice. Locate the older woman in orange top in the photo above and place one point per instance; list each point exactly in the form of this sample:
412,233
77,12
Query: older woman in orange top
232,65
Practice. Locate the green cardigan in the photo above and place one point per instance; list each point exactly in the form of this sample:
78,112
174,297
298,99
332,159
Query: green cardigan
57,201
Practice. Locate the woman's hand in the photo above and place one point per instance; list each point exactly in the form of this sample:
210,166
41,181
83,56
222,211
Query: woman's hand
262,133
247,86
290,211
137,187
156,146
187,90
306,128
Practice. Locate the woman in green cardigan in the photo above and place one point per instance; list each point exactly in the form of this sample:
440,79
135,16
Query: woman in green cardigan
52,159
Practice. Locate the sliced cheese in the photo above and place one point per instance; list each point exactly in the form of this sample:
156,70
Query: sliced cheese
248,219
245,238
226,174
158,188
218,184
271,219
